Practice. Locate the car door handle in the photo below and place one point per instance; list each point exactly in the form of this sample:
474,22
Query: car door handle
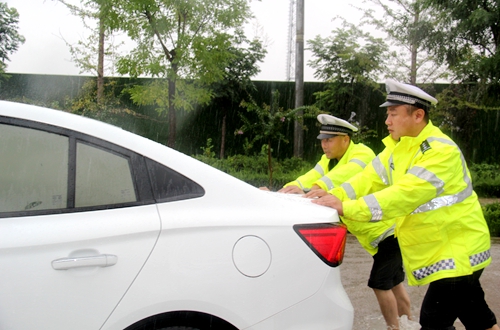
102,260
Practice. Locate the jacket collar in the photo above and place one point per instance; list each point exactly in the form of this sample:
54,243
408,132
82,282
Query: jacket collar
410,141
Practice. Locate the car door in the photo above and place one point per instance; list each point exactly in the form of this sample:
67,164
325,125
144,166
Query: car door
77,223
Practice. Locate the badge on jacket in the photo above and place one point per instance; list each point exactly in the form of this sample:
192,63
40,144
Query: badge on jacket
425,146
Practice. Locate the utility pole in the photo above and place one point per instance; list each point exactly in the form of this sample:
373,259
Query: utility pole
298,136
290,55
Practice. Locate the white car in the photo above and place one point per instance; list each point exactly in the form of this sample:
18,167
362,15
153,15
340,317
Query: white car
103,229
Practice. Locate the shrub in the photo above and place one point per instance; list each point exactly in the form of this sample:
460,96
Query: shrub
492,216
254,169
241,163
486,179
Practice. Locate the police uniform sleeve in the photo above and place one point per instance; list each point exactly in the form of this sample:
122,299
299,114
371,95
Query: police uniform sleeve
306,180
363,183
357,159
426,179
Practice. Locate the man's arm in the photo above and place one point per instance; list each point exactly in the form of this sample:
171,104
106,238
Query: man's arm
357,157
433,179
306,181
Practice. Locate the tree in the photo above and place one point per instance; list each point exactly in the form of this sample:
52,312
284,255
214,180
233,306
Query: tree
349,61
268,125
407,24
237,85
467,38
89,55
185,42
10,39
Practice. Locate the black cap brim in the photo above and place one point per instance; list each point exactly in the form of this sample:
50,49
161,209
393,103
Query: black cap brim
325,136
390,104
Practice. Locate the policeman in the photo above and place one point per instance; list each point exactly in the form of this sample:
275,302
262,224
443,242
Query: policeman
342,158
422,180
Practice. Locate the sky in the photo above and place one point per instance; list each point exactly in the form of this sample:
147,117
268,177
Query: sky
46,24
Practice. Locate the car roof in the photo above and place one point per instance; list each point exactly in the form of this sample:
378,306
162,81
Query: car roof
92,127
58,118
174,159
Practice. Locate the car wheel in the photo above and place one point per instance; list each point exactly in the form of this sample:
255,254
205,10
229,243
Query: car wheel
178,328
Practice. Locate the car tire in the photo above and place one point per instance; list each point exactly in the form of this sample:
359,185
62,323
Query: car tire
178,328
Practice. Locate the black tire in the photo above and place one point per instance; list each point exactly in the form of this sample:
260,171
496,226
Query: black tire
182,320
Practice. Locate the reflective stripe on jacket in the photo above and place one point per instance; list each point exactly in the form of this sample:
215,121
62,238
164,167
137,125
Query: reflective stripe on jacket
424,182
356,157
354,161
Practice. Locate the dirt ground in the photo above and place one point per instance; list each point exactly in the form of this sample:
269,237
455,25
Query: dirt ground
485,201
356,269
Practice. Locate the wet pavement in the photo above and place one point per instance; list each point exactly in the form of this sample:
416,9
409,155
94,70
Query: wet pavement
356,269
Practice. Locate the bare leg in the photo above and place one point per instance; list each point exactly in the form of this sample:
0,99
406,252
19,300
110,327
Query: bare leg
403,300
389,307
495,327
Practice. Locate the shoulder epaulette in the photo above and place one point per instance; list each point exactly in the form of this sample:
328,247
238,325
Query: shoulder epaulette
425,146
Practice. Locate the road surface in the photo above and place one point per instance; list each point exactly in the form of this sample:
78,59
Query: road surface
355,271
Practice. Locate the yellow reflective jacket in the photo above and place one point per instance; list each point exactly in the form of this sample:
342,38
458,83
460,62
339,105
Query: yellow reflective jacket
356,157
424,182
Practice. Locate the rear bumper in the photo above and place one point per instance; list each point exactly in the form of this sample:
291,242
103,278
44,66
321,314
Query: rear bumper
329,308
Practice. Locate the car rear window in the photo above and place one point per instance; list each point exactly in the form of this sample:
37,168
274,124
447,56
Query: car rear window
169,185
102,177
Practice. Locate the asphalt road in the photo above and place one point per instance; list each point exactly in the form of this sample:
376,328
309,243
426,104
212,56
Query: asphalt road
356,269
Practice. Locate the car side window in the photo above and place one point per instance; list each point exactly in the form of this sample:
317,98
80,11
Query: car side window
30,179
102,177
169,185
46,169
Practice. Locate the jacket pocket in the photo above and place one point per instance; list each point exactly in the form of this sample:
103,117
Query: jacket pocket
419,236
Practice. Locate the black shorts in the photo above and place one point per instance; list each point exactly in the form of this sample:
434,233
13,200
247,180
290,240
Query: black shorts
387,270
458,297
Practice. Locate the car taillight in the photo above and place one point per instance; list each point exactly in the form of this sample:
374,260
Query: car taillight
327,240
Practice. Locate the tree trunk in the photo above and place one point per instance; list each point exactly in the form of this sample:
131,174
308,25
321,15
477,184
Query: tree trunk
496,121
100,63
171,114
269,164
223,134
414,49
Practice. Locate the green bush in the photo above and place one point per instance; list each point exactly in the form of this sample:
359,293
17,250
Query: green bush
492,215
241,163
486,179
254,169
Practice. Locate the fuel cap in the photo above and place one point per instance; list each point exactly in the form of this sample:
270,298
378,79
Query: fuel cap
251,256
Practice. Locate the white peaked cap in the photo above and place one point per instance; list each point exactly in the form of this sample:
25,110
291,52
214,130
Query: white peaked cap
399,93
331,126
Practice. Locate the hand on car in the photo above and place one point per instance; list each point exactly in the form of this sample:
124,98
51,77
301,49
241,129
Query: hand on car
330,201
291,190
314,193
